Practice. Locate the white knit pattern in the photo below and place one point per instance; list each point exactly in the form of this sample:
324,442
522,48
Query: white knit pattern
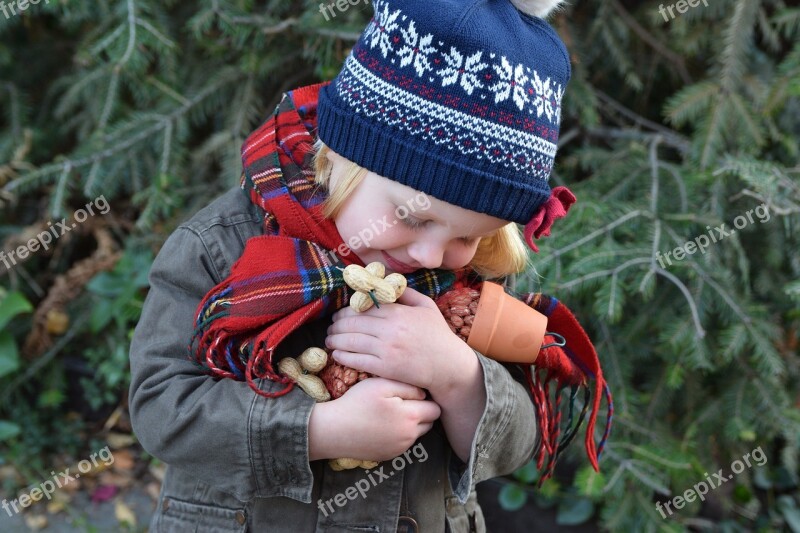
398,40
371,97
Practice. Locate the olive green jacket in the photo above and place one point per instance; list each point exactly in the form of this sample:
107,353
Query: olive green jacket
239,462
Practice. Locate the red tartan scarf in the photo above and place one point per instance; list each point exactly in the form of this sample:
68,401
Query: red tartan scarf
289,277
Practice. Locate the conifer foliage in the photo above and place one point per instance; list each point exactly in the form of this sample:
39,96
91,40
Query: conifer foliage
676,130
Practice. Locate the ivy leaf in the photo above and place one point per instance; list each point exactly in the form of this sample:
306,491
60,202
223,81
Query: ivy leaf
574,511
512,497
11,305
9,356
8,430
528,473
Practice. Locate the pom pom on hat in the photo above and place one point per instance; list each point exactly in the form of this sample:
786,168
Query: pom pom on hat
537,8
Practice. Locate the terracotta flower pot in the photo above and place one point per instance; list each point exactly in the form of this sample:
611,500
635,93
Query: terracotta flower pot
504,328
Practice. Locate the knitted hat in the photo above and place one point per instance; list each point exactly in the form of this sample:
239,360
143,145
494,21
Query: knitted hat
460,99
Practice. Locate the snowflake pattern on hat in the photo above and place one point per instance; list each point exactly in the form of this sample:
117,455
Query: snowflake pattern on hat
541,96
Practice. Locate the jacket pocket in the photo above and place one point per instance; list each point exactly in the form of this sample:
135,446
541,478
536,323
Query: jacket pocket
467,518
179,516
352,528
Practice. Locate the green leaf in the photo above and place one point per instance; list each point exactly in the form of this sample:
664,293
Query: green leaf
573,511
11,305
8,430
528,473
512,497
9,356
790,512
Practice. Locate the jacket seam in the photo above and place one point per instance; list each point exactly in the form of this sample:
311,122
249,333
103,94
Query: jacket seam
217,275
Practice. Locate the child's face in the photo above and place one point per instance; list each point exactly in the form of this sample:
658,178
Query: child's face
376,220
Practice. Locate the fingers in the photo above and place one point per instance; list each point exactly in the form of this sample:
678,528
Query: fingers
359,323
360,361
398,389
428,411
414,298
354,342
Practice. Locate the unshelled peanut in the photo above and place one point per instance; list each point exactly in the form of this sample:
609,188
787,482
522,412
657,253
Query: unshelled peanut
310,383
313,359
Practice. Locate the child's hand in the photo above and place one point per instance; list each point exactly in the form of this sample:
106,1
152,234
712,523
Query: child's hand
377,419
407,341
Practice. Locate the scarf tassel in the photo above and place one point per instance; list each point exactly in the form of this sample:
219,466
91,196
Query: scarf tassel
571,366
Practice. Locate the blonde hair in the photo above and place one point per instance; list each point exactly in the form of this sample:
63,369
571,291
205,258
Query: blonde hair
499,255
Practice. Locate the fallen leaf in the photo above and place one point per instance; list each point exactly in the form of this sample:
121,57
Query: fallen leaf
120,440
158,471
153,489
123,460
57,322
120,480
124,513
35,522
103,493
113,419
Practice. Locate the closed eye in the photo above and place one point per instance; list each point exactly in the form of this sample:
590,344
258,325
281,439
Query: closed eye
416,225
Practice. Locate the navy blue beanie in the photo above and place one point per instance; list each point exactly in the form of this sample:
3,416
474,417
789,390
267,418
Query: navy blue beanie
460,99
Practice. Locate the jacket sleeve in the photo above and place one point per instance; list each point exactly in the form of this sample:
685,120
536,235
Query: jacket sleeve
219,430
506,435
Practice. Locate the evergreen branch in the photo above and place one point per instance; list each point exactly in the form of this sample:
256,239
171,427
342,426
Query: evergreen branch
655,458
625,421
14,111
674,138
115,71
713,131
87,189
597,233
166,89
612,358
169,43
680,182
603,273
106,41
124,146
645,477
744,317
692,305
336,34
164,169
781,211
738,36
57,207
651,41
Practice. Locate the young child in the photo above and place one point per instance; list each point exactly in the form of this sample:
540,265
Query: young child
434,141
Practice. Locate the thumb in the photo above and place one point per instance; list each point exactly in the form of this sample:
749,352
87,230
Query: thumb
415,298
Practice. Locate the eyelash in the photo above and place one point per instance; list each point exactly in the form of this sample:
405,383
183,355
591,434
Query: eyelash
416,225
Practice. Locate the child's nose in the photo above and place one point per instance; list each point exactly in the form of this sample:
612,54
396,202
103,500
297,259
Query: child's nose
427,254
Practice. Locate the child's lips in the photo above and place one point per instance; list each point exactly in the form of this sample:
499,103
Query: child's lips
398,266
